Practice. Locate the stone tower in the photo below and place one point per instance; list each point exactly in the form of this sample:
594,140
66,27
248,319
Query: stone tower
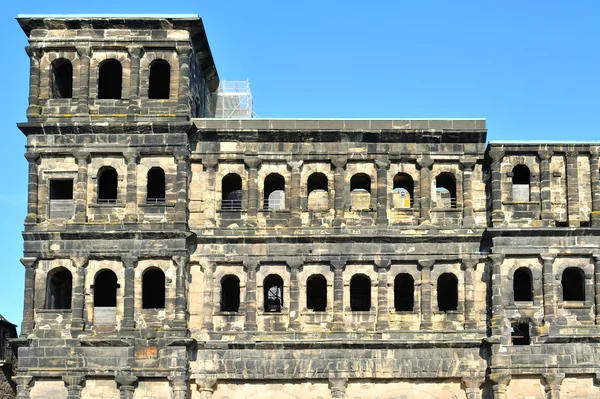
169,254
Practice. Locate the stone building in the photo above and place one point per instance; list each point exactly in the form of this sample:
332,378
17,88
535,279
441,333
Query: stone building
169,254
8,331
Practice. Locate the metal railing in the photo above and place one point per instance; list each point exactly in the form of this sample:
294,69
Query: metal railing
155,201
231,205
274,204
445,203
107,200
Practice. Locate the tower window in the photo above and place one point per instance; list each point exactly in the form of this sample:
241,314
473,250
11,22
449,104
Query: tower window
61,78
273,293
318,197
107,185
160,80
522,285
316,293
274,192
521,180
519,333
360,293
156,186
230,294
153,289
360,191
110,80
231,192
573,284
403,191
445,192
61,198
404,292
59,285
447,292
105,289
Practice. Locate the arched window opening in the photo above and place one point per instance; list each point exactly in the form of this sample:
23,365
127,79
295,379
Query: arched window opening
360,191
573,284
274,192
521,180
519,333
61,78
445,190
110,80
447,292
107,185
522,287
316,293
160,80
61,198
273,293
59,285
404,293
318,196
360,293
231,192
230,294
105,289
155,186
404,187
153,289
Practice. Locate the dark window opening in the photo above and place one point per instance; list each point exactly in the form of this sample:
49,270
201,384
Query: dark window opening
447,292
274,197
105,289
317,181
360,182
153,289
521,180
61,78
61,189
231,192
573,284
318,197
230,294
360,293
160,80
156,186
522,285
59,286
273,293
316,293
519,333
107,185
404,187
404,293
110,80
445,191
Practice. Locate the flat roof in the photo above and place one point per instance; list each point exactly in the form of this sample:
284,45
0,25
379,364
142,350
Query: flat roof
122,16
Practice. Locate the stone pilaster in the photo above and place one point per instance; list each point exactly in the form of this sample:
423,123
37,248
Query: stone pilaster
126,384
74,383
572,189
129,262
426,294
35,54
497,297
80,193
552,383
546,193
210,168
131,159
382,191
83,96
183,96
135,53
469,266
472,386
78,301
33,158
29,302
253,163
209,270
338,294
206,386
251,266
179,386
595,185
295,266
338,387
467,181
425,188
181,264
383,266
339,185
597,287
181,158
295,197
500,381
548,287
497,213
23,386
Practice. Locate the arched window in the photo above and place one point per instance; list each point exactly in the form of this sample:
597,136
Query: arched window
59,283
316,293
155,188
360,191
273,293
318,197
110,80
573,284
231,192
274,192
230,294
61,78
445,190
404,187
404,292
522,287
153,289
447,292
521,180
360,293
160,80
105,289
107,185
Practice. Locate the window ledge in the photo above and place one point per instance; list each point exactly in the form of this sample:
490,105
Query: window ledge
520,202
282,313
64,311
576,305
118,204
154,205
403,312
274,210
453,210
229,314
230,211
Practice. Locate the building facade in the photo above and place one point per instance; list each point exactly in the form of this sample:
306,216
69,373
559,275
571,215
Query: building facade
169,254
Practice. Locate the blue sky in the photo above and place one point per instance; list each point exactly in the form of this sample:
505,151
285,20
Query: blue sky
531,68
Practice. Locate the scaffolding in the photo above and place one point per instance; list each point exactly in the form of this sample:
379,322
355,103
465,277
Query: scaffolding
233,99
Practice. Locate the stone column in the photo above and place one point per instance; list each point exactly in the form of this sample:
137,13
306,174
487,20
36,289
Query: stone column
80,195
472,387
425,190
181,264
497,213
295,293
426,294
131,159
126,385
339,186
29,303
338,294
179,386
382,294
35,54
548,287
497,298
210,168
183,96
79,263
546,193
253,163
23,386
572,189
206,386
209,270
129,262
552,383
74,384
597,287
32,188
135,53
595,185
470,313
181,157
467,171
83,96
500,386
251,266
295,197
338,387
382,191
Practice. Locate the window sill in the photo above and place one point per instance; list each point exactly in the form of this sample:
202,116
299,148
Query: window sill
520,203
229,314
230,211
159,205
54,311
274,210
118,204
403,312
453,210
282,313
576,305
